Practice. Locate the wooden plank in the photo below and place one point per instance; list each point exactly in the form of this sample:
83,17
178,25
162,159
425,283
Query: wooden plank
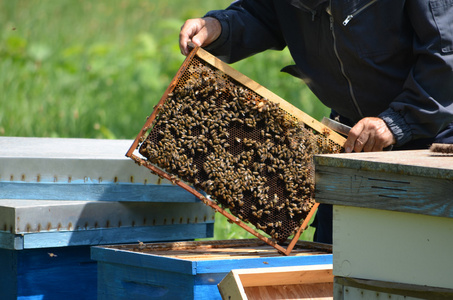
231,288
393,288
216,262
384,190
315,291
412,162
96,192
123,265
221,248
117,282
392,246
263,262
286,275
110,236
267,94
211,256
8,274
298,282
52,273
11,241
114,235
145,261
35,216
59,160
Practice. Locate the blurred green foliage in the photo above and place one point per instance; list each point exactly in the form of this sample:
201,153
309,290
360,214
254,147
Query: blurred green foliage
95,69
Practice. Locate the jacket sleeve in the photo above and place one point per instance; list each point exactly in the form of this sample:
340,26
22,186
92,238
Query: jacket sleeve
248,27
425,106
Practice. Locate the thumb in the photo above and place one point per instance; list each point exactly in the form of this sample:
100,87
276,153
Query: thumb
196,40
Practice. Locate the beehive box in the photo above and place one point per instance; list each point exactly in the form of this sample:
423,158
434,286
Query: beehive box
58,197
407,196
189,270
218,132
299,282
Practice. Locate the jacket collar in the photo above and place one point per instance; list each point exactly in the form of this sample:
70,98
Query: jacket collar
306,4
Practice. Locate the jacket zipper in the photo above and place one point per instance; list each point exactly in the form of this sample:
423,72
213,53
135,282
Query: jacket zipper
351,91
312,11
351,16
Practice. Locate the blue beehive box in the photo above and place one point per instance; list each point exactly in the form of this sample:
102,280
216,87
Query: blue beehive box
59,197
189,270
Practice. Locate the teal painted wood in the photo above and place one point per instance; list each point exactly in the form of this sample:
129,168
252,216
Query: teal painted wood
207,291
124,282
11,241
116,282
225,266
174,232
95,192
151,261
50,274
8,274
148,261
133,275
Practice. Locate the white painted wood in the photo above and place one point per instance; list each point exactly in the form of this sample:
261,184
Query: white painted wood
393,246
66,160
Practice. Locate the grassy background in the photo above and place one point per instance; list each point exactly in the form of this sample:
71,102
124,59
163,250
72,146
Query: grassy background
95,69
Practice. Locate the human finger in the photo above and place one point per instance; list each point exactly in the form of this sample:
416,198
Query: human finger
353,135
189,29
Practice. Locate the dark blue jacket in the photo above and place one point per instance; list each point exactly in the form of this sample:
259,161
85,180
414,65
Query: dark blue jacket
362,58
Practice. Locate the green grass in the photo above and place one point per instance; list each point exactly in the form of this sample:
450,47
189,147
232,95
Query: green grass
225,230
95,69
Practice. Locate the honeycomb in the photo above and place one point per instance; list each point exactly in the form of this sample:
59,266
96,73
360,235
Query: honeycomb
245,152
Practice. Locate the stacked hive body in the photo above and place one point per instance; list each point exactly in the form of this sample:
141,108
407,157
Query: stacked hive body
246,151
192,270
59,197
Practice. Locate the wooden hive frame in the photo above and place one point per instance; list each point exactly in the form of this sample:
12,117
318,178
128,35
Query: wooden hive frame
301,282
217,64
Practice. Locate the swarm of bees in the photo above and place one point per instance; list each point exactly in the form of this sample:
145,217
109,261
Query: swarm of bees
242,150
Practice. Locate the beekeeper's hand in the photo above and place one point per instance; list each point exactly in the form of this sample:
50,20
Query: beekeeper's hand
369,134
201,32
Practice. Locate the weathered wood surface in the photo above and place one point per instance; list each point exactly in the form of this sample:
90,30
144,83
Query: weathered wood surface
194,275
78,169
354,288
106,236
50,274
411,162
298,282
408,181
242,253
29,224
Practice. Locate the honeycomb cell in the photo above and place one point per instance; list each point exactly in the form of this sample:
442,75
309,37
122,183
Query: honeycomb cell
247,153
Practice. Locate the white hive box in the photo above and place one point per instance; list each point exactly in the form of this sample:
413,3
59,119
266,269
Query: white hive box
392,223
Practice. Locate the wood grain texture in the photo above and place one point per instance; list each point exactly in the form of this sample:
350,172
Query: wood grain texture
318,291
412,162
394,290
196,274
384,190
216,262
296,282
